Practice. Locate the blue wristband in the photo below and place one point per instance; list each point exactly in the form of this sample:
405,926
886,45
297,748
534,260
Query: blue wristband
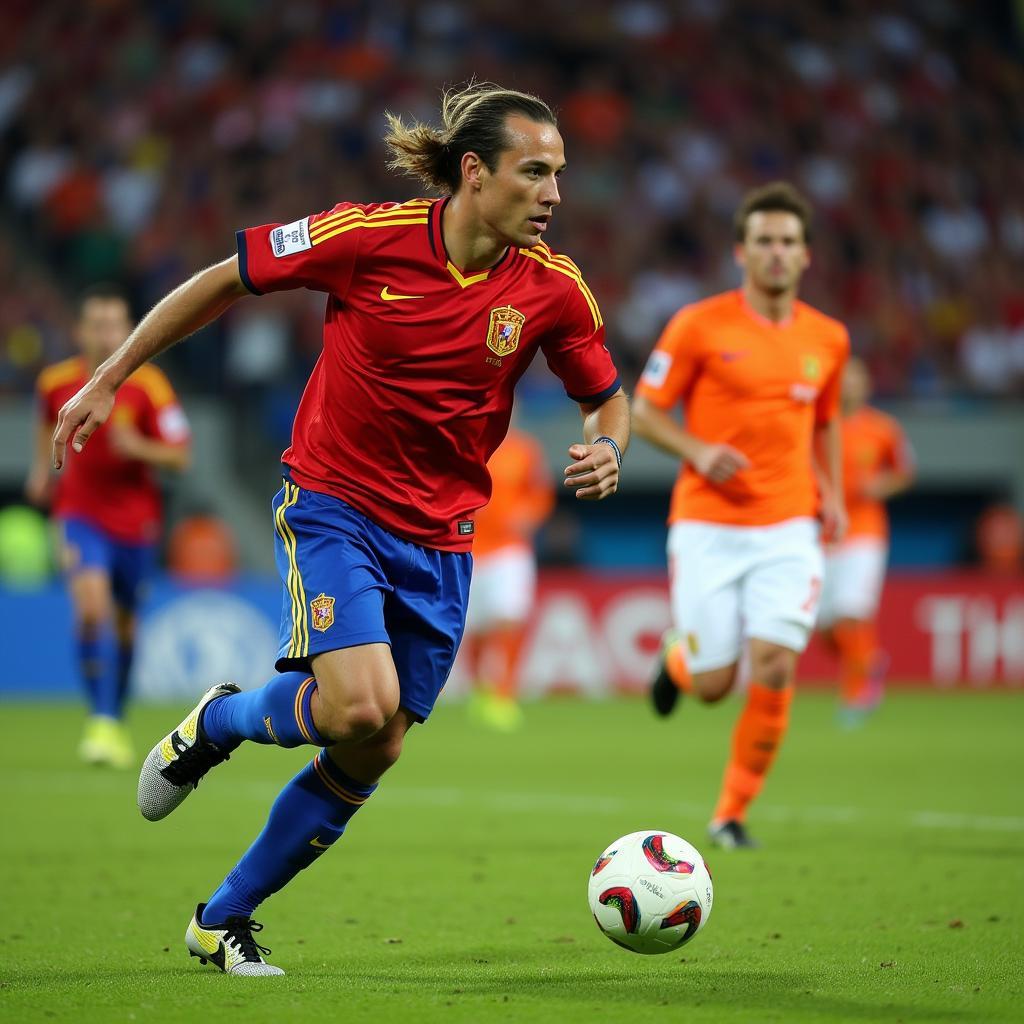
604,439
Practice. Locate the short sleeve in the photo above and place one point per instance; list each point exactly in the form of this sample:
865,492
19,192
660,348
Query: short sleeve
45,401
899,452
576,350
674,363
317,252
163,417
827,406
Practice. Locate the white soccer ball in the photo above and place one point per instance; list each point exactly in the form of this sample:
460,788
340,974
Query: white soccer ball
651,892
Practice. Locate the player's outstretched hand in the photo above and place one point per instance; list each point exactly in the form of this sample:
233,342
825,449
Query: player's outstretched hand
720,462
80,416
594,473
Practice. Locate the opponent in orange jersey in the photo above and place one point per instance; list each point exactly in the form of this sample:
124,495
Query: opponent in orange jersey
107,506
878,464
757,373
505,575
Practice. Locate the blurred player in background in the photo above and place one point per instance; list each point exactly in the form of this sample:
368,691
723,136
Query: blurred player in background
757,373
435,309
878,464
505,576
107,507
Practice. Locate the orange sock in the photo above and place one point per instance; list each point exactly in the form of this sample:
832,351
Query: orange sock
678,670
510,641
755,741
857,646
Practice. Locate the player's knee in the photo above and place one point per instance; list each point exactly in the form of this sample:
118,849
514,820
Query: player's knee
774,669
355,721
384,750
92,618
711,687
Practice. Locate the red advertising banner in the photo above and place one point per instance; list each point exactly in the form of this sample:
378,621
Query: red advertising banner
598,633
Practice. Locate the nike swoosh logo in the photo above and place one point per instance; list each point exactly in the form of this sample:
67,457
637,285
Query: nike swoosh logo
389,296
315,841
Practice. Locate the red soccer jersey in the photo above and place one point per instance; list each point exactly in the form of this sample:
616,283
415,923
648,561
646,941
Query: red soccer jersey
413,390
117,494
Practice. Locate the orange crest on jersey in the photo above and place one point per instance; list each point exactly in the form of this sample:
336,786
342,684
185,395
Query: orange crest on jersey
504,330
322,608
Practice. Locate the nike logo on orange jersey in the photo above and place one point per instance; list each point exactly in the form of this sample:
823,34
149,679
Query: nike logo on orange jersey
389,296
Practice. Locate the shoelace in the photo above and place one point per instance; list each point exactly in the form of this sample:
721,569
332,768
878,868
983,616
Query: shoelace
192,764
239,934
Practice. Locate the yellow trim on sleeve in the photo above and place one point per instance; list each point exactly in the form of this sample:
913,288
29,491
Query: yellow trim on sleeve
573,275
52,377
154,382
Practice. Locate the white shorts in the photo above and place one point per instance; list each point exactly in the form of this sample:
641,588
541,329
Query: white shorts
731,582
503,587
854,573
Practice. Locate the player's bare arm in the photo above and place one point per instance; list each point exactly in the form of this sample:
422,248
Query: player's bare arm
888,484
594,472
39,483
133,444
829,453
717,463
184,311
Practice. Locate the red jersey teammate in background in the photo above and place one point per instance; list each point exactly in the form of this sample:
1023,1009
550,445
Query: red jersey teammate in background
435,308
878,464
505,576
107,506
757,373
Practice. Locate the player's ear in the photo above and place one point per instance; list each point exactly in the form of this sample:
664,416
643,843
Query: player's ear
473,171
739,254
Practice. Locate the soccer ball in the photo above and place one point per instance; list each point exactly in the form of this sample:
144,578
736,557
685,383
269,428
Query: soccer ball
650,892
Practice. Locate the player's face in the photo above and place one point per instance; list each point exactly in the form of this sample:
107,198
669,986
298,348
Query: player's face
517,199
103,325
774,254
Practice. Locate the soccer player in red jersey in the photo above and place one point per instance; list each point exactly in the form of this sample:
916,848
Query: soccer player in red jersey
108,509
435,307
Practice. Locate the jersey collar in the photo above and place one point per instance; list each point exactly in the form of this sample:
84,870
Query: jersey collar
763,320
437,247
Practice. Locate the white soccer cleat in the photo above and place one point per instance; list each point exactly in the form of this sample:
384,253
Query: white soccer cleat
229,945
175,765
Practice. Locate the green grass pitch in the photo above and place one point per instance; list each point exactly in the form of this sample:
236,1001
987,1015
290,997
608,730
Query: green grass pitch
890,886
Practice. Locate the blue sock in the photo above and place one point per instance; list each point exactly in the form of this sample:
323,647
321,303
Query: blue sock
278,712
97,657
308,817
125,653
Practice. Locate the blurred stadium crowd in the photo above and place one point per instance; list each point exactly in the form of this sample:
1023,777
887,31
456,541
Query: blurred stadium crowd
164,126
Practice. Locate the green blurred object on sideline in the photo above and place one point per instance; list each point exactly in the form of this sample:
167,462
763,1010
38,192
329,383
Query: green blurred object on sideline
25,561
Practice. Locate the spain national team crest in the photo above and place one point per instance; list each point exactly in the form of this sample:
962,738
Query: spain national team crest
504,330
322,608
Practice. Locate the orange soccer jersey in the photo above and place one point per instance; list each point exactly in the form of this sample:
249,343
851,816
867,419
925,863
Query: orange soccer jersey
758,386
522,495
872,443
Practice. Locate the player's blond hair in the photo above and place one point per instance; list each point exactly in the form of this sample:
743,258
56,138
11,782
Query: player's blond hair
775,197
473,121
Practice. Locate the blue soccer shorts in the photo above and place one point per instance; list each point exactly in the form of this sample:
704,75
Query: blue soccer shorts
348,582
129,566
